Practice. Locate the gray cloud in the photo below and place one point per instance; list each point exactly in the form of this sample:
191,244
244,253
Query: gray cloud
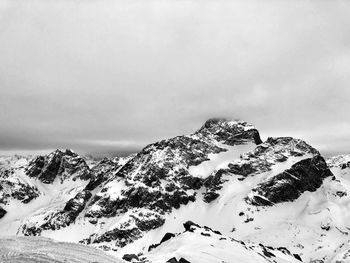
115,75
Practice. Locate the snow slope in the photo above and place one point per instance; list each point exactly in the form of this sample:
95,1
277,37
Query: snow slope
204,245
42,250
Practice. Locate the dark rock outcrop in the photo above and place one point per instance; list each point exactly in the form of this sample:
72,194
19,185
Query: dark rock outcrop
75,205
102,172
272,152
165,238
130,257
121,237
305,175
12,187
229,132
58,164
59,219
2,212
190,226
174,260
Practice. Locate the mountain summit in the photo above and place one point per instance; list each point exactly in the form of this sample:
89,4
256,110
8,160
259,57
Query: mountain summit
246,198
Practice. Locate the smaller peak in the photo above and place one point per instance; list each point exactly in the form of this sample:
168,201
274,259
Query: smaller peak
342,161
290,144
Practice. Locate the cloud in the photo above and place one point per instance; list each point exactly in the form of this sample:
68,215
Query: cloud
75,74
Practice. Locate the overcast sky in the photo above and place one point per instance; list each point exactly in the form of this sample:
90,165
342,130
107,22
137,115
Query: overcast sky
113,76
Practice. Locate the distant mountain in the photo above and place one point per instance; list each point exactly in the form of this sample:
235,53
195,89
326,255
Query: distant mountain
272,201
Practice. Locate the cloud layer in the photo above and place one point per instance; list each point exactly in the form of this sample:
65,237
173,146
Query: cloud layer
102,76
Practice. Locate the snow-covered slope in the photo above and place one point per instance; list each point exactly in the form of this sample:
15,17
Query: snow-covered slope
205,245
43,250
277,193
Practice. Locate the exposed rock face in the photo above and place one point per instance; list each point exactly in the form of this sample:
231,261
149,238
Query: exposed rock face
174,260
13,186
17,190
130,257
262,159
2,212
306,175
103,171
165,238
60,165
130,230
75,205
62,218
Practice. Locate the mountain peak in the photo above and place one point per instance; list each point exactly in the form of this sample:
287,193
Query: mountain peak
229,131
214,122
58,163
60,152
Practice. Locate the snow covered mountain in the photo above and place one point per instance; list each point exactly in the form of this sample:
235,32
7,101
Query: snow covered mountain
250,201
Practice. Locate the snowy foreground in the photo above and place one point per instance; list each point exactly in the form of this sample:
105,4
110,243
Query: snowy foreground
246,200
42,250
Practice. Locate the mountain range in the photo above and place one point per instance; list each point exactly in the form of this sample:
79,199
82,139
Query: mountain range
220,194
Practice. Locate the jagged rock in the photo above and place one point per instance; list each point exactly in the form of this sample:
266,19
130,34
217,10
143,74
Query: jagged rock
104,170
345,165
75,205
210,196
190,226
121,237
25,193
130,230
229,132
13,187
130,257
174,260
165,238
59,164
59,219
146,224
2,212
213,184
141,197
305,175
260,160
298,257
